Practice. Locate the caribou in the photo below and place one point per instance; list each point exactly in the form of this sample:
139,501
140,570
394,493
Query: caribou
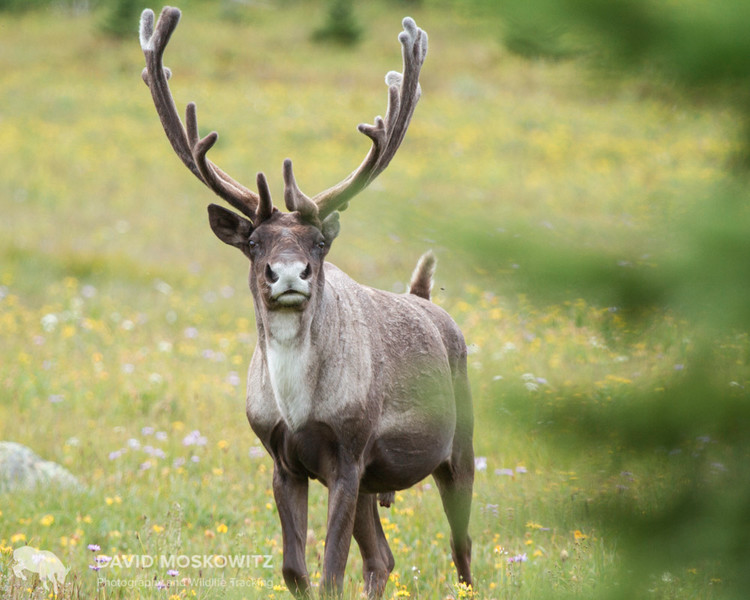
364,390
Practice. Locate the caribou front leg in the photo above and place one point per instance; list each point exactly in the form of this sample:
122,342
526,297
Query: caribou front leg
290,494
377,559
342,506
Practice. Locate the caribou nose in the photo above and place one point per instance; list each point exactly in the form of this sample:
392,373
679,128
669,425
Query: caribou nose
289,279
271,275
286,273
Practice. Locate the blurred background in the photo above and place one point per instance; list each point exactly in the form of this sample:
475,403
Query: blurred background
580,168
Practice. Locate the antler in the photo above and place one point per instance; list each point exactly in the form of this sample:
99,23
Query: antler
386,134
189,147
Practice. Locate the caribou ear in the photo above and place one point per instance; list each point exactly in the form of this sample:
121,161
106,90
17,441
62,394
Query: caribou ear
331,227
228,226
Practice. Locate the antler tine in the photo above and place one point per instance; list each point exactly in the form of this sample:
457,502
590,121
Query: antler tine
386,134
186,144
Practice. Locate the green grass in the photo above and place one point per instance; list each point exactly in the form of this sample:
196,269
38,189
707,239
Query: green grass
152,324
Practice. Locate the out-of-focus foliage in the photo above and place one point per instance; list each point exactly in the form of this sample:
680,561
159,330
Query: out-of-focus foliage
340,25
120,17
695,53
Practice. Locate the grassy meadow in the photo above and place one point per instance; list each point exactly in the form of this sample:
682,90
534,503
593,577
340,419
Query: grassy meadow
126,327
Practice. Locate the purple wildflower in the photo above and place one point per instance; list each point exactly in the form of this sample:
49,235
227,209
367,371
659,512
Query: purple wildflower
194,438
518,558
94,547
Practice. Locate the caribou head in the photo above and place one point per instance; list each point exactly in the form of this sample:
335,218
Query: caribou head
362,389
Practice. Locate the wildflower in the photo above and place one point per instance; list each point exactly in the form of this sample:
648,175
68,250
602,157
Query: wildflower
160,585
94,547
102,559
17,537
47,520
49,322
256,452
508,472
221,528
173,573
521,470
56,398
157,528
147,430
194,438
579,535
480,463
518,558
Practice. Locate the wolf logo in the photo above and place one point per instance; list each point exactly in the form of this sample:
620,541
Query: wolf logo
43,562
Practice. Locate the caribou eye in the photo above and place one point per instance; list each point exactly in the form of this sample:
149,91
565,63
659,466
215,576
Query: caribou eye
321,245
252,244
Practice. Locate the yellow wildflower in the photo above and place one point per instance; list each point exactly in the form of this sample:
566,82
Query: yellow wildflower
47,520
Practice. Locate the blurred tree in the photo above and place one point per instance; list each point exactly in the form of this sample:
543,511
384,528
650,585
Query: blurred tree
22,5
340,25
704,49
122,17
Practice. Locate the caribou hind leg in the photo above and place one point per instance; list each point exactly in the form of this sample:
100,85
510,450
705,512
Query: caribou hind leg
377,559
455,480
455,485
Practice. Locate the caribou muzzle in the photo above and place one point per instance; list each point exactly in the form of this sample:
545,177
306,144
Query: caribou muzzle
288,283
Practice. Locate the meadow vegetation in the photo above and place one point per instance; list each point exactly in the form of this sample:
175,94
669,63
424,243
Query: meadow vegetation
559,205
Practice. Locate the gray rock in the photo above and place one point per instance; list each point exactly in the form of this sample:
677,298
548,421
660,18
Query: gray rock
22,469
